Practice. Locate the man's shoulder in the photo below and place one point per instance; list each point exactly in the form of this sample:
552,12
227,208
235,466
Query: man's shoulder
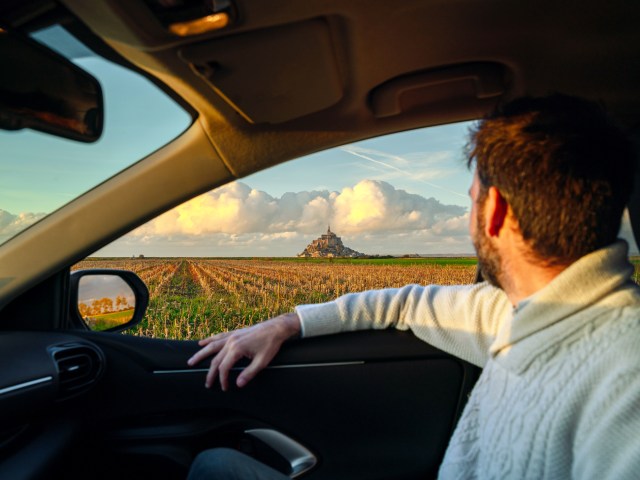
614,337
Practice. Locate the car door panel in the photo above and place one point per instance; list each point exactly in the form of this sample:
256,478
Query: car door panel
366,404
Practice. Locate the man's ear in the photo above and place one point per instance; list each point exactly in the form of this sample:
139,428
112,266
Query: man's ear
495,210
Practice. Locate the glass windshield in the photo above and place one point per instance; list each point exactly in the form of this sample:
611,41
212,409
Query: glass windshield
39,173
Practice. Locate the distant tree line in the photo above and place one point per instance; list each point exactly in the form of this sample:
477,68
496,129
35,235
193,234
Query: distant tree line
104,305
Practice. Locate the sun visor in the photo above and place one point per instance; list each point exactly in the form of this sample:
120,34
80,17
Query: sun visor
455,86
272,75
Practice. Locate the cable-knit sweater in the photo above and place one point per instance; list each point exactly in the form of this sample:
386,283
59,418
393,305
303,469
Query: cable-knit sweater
559,394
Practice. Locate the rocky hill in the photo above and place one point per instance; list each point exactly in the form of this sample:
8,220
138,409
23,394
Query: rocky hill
329,245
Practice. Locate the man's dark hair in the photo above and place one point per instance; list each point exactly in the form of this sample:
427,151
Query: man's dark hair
564,168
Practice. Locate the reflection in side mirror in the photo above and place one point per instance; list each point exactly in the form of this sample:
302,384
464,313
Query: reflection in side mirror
107,300
42,90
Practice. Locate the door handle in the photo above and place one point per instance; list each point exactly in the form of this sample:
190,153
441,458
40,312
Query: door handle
299,457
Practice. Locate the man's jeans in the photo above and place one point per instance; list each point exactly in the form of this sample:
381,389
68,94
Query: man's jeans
227,464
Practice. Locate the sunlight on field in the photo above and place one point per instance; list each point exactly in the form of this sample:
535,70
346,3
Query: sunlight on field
104,321
193,298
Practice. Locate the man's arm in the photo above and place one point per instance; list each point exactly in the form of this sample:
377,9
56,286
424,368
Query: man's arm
460,320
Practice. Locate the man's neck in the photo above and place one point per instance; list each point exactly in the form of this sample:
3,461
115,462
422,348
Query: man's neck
524,276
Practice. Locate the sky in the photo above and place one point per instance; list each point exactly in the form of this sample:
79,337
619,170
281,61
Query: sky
400,194
40,172
96,287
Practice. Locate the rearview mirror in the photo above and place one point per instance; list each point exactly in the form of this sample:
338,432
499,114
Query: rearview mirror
42,90
107,300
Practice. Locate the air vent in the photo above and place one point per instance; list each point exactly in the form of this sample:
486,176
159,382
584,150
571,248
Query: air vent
79,366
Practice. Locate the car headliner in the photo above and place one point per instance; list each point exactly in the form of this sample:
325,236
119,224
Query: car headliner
293,77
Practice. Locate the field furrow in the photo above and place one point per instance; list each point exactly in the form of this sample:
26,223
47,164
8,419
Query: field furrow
193,298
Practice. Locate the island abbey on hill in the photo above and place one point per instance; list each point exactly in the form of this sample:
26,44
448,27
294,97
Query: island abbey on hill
329,245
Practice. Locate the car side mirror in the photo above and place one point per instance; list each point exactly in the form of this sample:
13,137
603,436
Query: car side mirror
106,300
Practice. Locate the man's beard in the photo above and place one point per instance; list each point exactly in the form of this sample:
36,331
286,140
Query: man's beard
488,257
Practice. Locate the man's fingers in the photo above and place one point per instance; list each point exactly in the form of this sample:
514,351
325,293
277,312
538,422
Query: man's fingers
256,365
259,342
231,356
206,351
213,371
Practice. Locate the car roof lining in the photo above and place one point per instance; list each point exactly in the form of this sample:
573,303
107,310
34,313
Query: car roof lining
368,55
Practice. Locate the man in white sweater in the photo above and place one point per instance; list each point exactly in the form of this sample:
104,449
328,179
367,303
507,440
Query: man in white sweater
556,326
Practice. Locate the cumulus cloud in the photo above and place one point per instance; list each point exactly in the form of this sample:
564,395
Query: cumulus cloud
369,206
453,226
11,224
372,206
372,216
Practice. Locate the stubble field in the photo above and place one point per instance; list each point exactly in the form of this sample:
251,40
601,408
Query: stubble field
191,298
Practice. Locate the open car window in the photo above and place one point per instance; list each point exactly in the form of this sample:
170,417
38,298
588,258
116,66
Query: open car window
380,213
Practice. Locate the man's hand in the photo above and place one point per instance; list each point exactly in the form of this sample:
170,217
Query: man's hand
259,342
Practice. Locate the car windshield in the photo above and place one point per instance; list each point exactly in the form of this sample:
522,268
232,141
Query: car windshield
40,173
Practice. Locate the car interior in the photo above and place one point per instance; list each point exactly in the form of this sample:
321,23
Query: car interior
264,82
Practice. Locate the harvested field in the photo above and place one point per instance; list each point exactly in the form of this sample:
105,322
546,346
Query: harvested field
192,298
